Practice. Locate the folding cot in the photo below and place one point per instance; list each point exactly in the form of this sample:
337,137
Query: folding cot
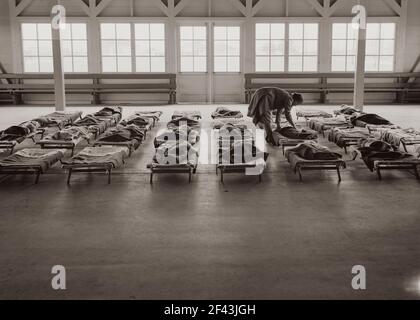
346,137
67,138
379,155
398,137
96,159
154,115
234,145
176,153
320,160
143,123
308,114
324,124
283,141
14,135
57,119
30,161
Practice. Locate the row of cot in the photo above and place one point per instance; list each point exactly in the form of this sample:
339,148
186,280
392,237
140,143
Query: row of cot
373,139
113,141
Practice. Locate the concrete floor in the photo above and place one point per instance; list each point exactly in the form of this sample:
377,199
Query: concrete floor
280,239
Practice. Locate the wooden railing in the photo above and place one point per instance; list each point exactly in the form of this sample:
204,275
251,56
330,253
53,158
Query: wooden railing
96,84
400,83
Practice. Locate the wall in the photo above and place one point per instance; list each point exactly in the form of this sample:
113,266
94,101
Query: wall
210,87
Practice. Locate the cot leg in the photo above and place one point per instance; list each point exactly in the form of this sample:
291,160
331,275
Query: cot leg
416,172
189,176
109,176
260,178
221,175
217,171
151,177
378,171
404,146
338,173
300,174
69,176
354,156
345,149
283,149
72,152
37,176
12,149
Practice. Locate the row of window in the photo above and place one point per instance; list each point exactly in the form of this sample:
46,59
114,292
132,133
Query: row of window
140,47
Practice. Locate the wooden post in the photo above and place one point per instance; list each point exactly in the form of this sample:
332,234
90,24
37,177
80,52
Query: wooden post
59,86
359,75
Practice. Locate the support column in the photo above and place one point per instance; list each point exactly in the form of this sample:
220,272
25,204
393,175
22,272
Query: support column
59,86
359,75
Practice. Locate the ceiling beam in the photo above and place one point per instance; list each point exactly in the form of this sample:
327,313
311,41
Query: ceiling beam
162,7
258,7
318,8
238,5
180,6
86,9
394,6
17,9
101,6
334,7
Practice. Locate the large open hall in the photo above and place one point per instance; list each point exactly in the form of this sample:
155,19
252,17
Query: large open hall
209,150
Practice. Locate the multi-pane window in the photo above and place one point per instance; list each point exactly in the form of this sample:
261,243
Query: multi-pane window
193,48
380,47
343,47
227,49
37,47
116,47
74,47
150,47
269,47
303,47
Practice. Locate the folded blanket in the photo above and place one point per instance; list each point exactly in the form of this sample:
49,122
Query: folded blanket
56,118
19,132
176,153
33,157
312,113
183,120
217,124
222,112
150,114
188,114
323,124
182,133
241,152
122,134
340,136
92,156
137,120
314,151
108,111
369,118
293,133
347,110
69,134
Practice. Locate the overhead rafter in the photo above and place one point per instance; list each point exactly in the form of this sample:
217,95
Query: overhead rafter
334,7
394,6
180,6
322,11
86,8
101,6
162,7
238,5
258,7
17,9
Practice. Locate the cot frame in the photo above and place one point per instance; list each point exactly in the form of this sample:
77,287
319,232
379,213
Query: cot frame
380,165
22,169
235,168
88,168
180,168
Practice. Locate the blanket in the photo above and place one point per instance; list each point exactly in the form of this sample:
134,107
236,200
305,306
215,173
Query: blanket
314,151
99,156
222,112
41,158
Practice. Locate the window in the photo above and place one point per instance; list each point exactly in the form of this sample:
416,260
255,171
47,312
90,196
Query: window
303,47
116,47
227,49
150,47
269,47
343,47
37,47
74,47
380,47
193,48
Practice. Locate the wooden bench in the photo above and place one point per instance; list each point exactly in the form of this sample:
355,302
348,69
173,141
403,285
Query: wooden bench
18,84
321,83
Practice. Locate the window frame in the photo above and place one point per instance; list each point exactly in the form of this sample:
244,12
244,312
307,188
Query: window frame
395,20
209,64
213,55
